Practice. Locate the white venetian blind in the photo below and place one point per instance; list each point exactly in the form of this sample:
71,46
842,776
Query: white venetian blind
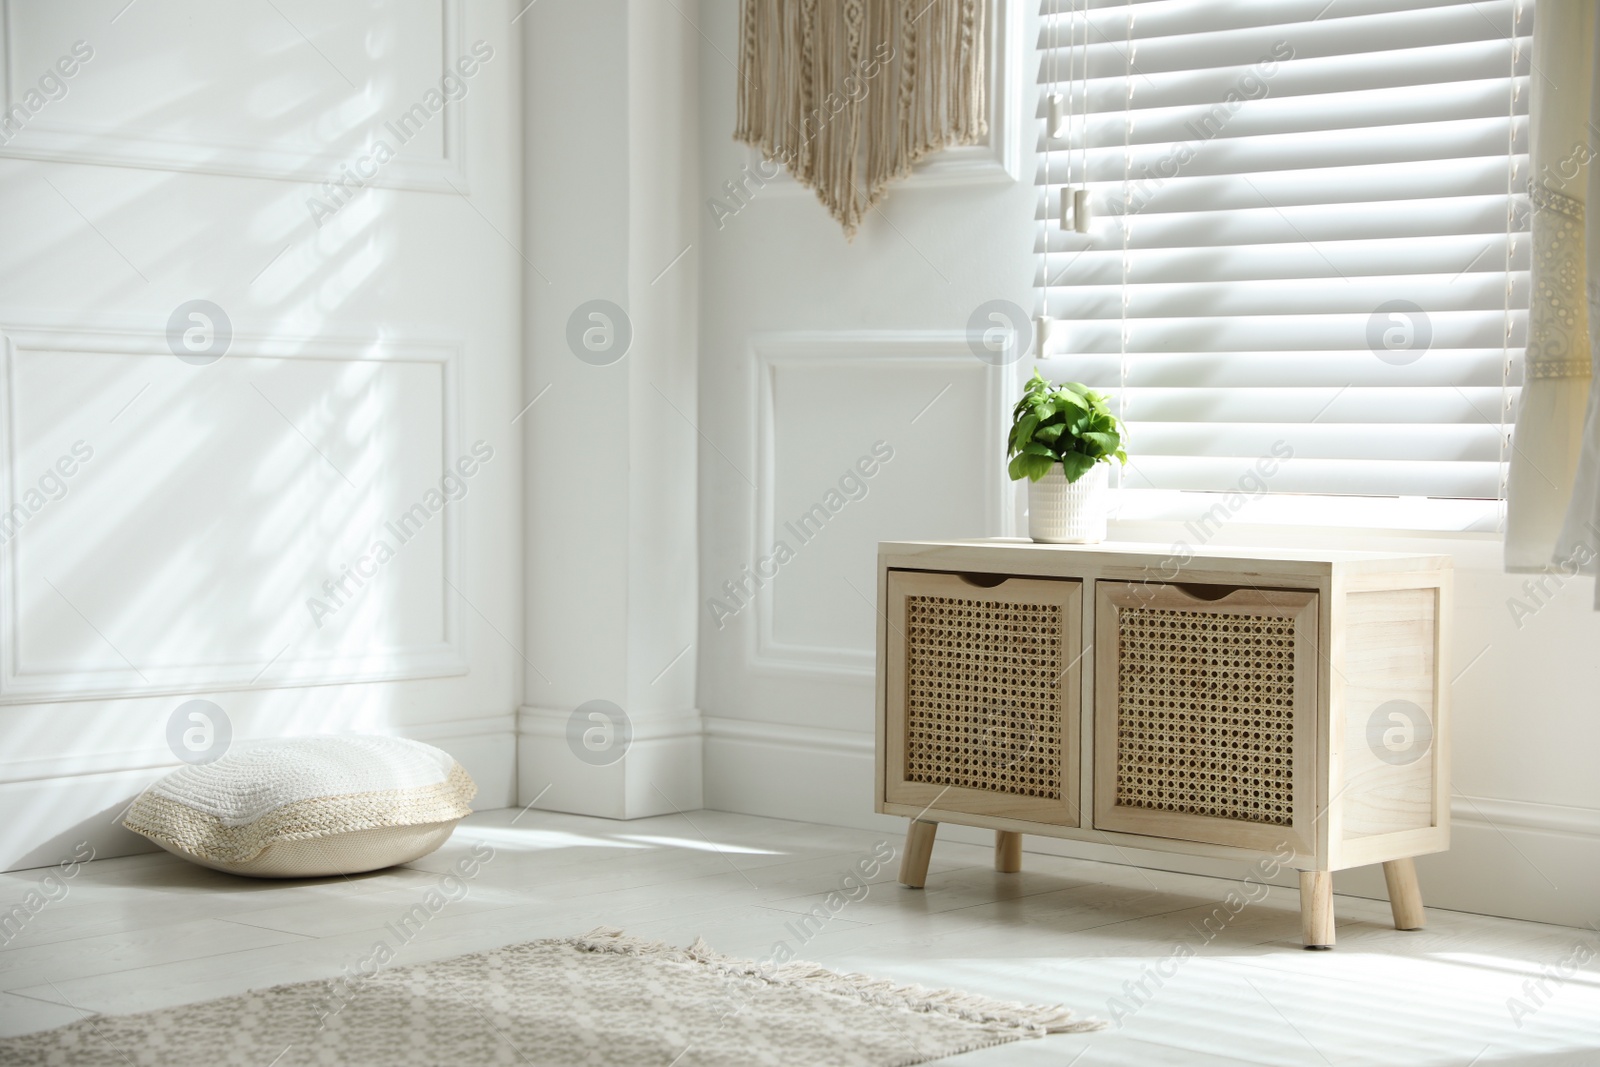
1337,263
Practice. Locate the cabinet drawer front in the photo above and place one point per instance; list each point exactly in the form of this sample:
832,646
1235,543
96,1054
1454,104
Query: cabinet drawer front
982,695
1205,713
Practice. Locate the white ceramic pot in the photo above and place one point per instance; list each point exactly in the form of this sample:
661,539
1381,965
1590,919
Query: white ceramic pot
1069,513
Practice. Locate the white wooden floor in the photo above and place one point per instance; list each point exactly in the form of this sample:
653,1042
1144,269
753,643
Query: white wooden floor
147,931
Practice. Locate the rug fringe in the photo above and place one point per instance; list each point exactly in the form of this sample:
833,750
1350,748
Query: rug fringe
998,1015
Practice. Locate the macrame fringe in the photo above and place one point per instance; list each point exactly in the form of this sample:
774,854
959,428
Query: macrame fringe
997,1016
851,96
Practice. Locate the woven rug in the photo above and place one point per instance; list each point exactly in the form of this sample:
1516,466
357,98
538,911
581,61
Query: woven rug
601,999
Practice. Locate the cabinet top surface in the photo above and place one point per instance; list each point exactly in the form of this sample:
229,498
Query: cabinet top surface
1019,551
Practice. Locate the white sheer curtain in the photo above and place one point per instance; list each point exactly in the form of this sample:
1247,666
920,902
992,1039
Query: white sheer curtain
1553,517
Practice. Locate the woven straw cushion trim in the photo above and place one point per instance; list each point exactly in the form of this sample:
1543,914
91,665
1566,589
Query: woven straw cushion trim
352,853
183,829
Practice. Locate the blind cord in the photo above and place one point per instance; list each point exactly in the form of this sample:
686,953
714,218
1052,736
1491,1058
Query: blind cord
1127,189
1511,211
1050,133
1080,196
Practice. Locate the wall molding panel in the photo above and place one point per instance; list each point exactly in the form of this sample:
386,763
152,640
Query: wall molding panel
52,140
839,355
23,681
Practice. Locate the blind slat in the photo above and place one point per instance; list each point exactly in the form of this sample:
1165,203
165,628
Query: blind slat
1441,368
1309,78
1409,477
1441,180
1475,443
1226,154
1418,255
1315,296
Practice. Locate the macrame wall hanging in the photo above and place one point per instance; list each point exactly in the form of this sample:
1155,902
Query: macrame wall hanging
850,94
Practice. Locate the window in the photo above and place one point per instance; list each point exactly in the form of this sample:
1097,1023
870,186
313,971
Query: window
1308,251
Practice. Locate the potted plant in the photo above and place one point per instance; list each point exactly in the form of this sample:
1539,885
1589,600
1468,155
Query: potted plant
1063,440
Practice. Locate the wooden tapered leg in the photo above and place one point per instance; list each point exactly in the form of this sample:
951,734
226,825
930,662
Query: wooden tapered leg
1405,895
1007,852
1316,909
919,850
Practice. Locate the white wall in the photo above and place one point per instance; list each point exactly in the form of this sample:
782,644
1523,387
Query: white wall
786,684
371,347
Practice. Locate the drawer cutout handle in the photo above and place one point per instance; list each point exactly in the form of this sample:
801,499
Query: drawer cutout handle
1209,593
984,581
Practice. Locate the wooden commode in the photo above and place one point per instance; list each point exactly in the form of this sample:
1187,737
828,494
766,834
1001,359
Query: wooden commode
1238,704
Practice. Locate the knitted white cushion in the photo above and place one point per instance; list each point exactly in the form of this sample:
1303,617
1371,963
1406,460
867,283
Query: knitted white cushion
301,807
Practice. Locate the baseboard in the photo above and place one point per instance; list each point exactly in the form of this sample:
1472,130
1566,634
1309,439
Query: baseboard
55,805
658,772
1512,858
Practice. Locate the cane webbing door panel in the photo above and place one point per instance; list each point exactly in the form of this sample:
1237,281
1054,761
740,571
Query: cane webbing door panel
1205,708
982,695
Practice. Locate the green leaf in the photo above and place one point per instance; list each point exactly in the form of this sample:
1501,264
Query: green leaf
1104,443
1022,433
1076,465
1069,399
1038,466
1050,434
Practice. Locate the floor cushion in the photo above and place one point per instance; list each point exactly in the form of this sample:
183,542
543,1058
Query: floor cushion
300,807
